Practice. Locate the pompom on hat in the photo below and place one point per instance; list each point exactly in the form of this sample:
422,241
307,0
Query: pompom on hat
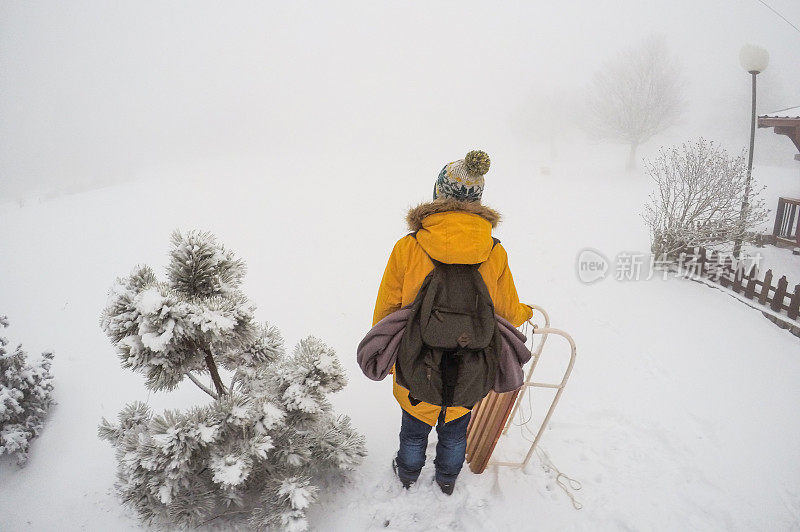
463,179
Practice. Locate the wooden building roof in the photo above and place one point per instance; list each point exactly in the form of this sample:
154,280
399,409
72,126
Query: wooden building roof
785,122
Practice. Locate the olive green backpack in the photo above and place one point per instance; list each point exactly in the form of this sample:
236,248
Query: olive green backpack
448,354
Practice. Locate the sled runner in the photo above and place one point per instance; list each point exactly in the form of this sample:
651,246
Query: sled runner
493,415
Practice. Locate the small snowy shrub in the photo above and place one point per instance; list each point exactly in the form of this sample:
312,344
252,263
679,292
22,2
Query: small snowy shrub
698,199
265,442
26,390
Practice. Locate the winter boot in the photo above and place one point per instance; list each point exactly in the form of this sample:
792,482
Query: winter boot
446,487
406,483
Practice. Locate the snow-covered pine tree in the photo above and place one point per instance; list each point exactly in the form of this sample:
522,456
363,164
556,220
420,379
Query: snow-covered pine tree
263,444
26,393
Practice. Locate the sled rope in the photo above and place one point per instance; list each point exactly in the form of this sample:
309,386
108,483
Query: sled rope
548,466
523,420
566,483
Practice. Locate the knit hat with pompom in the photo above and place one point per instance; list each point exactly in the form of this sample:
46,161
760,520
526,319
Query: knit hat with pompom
463,179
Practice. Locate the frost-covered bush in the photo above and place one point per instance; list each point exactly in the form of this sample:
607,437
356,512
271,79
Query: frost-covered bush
698,199
264,443
26,393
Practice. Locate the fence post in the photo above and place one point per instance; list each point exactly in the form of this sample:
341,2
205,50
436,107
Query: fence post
738,274
794,304
750,290
725,270
777,300
702,260
714,261
765,285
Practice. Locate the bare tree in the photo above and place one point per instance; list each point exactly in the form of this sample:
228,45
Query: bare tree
698,197
635,96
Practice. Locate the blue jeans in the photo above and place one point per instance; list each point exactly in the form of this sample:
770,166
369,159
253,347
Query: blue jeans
449,450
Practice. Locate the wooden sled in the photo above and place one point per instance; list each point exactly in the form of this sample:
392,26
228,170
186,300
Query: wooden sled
493,415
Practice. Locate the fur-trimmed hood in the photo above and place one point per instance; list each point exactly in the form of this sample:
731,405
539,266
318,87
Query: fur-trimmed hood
423,210
454,232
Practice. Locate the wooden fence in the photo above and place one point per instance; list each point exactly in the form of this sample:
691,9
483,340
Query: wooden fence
745,280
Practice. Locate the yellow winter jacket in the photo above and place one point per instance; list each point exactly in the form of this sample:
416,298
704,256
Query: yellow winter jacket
452,232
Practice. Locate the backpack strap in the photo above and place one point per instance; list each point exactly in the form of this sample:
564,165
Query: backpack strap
434,261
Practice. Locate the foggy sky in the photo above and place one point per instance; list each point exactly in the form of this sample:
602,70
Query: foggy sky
95,91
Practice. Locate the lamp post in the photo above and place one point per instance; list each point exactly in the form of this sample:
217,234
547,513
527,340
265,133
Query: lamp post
754,60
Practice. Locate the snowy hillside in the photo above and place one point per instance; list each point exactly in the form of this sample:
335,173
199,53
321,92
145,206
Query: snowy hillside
679,414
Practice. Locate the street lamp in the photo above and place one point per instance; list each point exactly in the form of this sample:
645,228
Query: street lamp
754,60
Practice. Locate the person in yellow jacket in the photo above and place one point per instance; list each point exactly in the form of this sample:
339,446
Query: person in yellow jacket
455,228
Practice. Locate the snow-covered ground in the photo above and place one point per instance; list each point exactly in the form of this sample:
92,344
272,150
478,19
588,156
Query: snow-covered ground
680,413
782,261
